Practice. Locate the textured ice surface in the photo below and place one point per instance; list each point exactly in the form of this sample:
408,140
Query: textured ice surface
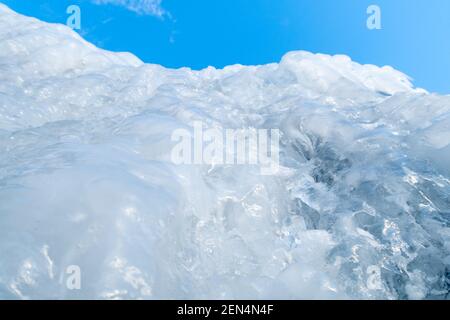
360,209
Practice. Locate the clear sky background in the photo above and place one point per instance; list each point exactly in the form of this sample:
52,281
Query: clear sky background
415,35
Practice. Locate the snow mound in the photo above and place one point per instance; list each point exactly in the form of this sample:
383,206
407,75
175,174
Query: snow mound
360,209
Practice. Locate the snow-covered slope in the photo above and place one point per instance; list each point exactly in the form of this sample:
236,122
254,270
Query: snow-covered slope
360,209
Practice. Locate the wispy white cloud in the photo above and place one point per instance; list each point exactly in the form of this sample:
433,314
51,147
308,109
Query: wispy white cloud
144,7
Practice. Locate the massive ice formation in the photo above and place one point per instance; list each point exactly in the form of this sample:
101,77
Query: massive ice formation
360,208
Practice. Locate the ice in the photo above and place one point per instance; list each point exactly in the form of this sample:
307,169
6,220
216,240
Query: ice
360,208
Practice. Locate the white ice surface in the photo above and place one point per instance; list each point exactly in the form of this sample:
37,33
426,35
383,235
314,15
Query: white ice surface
360,209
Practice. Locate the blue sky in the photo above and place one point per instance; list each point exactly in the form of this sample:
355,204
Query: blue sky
415,34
